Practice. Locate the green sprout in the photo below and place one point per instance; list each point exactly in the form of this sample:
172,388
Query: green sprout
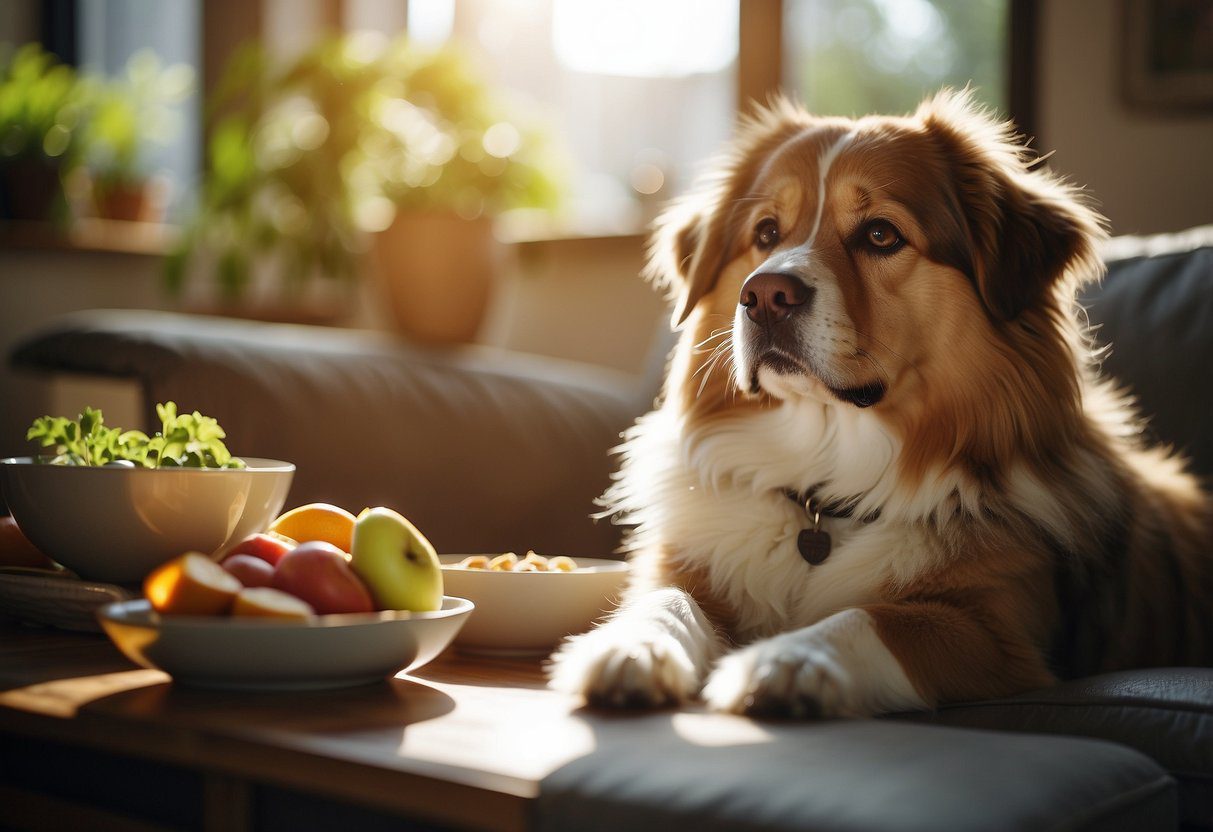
188,440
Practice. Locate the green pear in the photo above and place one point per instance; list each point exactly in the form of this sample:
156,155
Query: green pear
396,562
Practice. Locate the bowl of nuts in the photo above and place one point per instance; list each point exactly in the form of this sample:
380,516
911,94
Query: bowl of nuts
526,605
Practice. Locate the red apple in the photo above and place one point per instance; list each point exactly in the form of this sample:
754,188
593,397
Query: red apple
320,574
250,570
270,547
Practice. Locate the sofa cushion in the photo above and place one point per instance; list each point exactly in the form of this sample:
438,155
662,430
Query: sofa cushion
869,775
1155,312
1166,713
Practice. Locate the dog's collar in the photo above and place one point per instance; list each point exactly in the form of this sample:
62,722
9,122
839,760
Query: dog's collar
838,509
814,543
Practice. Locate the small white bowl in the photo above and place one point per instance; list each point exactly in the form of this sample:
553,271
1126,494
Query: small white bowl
329,651
527,613
118,524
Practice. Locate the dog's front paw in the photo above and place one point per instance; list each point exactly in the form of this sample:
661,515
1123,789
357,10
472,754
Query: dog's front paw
837,667
624,666
780,679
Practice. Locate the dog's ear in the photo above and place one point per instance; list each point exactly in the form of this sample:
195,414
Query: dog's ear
693,239
1027,229
687,250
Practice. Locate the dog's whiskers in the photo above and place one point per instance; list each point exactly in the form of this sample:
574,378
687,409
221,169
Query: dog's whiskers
882,344
713,359
874,361
728,330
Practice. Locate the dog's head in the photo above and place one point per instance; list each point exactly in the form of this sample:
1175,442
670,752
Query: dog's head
917,266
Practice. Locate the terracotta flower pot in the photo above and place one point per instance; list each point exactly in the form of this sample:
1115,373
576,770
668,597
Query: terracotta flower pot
125,202
438,271
141,200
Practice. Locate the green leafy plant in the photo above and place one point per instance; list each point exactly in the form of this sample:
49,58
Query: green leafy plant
55,120
129,114
307,159
186,440
42,106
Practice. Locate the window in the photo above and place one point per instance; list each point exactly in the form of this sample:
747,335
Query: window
110,34
864,56
640,92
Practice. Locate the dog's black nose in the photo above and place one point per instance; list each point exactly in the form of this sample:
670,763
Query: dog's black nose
769,298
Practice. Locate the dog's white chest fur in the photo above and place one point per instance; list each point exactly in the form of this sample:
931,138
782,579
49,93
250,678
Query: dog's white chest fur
715,496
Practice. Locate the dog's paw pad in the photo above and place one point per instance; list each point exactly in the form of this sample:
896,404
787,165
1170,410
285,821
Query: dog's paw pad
624,670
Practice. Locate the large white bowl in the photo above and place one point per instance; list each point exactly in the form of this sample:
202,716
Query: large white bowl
329,651
530,612
118,524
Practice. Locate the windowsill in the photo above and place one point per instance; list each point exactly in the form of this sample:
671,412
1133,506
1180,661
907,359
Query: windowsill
528,232
157,239
91,235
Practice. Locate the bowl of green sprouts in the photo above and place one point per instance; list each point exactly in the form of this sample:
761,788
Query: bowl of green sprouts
112,504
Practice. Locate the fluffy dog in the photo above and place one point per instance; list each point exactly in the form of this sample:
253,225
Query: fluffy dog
883,473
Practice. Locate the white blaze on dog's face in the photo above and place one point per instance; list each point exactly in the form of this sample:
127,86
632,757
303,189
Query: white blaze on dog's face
905,265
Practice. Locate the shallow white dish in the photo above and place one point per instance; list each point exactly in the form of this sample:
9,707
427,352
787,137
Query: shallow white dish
530,612
118,524
330,651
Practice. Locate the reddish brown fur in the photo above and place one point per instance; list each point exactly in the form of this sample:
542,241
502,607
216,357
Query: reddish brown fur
989,375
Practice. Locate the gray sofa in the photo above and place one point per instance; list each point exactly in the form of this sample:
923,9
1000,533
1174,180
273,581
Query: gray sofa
490,452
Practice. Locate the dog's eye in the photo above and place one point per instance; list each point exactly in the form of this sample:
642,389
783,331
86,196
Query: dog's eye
766,234
882,236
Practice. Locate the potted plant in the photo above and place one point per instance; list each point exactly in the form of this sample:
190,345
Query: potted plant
42,105
126,116
358,147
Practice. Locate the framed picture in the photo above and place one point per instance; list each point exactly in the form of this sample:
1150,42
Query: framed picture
1168,54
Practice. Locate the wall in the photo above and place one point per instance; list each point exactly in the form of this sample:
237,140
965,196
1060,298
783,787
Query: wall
1150,171
580,299
19,21
39,284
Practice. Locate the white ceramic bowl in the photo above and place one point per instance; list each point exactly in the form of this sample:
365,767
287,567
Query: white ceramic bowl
530,612
259,654
118,524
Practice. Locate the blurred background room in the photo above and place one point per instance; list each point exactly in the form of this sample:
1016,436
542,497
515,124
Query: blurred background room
483,171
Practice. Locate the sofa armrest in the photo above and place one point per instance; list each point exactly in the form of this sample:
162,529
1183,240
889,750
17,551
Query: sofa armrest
485,451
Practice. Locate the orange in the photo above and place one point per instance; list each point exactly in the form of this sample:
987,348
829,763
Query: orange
192,584
317,521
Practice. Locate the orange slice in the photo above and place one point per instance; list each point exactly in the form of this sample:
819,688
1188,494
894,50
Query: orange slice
192,584
265,602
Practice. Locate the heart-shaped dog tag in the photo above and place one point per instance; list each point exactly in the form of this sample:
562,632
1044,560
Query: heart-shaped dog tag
814,546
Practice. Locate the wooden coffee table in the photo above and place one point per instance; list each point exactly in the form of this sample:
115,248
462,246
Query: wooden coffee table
88,740
462,743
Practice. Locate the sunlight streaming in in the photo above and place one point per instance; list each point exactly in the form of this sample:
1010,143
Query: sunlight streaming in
644,38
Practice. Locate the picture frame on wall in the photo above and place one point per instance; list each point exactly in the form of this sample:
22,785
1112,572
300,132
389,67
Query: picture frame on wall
1168,54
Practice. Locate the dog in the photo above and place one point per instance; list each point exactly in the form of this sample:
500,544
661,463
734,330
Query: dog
883,473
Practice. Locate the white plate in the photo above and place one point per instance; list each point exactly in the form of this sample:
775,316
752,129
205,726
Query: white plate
257,654
524,613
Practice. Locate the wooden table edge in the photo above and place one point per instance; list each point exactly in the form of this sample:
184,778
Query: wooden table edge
503,806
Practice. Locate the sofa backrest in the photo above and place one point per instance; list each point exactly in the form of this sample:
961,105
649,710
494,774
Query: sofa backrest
1154,310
